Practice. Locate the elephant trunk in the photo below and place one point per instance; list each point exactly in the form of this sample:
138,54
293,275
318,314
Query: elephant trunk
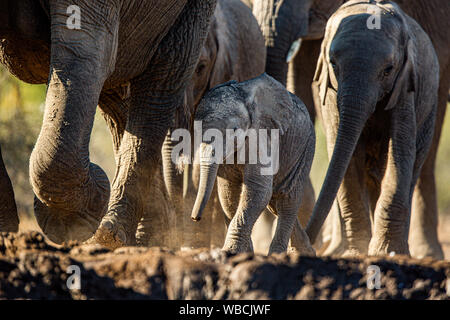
208,174
282,22
352,118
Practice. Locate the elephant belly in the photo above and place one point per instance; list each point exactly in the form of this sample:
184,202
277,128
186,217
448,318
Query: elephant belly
143,24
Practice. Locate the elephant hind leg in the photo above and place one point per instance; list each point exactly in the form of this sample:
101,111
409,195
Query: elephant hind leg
289,227
9,221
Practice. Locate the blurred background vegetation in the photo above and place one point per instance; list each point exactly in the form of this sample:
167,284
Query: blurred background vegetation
21,111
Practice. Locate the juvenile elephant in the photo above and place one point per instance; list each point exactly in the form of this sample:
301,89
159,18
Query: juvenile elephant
377,89
131,57
234,50
251,112
284,21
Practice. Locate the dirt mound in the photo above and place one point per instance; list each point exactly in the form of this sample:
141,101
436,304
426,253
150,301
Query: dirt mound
31,268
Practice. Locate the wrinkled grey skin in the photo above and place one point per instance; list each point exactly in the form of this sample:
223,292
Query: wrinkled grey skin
234,50
244,192
432,15
133,58
379,113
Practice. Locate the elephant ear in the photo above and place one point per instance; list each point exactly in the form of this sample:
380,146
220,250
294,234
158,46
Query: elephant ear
268,102
405,84
321,78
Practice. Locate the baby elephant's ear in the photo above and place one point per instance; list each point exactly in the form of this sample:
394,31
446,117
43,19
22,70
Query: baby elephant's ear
405,84
266,92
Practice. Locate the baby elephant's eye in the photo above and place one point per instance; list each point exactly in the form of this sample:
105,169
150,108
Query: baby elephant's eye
200,68
388,71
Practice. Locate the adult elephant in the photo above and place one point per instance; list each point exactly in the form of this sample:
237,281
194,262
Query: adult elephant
283,22
133,58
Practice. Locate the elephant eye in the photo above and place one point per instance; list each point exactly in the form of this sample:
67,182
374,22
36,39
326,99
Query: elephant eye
388,71
200,68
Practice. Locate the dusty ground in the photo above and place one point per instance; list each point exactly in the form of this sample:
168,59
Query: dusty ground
31,268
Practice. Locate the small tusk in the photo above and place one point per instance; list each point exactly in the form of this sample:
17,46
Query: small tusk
295,47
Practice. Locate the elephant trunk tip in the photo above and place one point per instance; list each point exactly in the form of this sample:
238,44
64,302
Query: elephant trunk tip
197,213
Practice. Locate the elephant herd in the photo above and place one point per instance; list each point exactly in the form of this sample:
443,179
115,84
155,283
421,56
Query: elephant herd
374,73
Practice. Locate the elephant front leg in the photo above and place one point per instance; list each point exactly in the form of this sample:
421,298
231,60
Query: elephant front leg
71,192
352,205
255,196
392,213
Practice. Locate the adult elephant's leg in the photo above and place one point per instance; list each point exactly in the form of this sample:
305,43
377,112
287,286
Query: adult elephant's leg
155,95
423,238
337,244
72,193
9,221
301,73
156,228
114,106
308,201
114,109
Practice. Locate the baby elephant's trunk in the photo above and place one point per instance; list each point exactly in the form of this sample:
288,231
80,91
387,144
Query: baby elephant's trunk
208,173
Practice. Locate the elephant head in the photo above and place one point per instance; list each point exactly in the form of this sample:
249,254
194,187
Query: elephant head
233,50
283,22
360,71
227,114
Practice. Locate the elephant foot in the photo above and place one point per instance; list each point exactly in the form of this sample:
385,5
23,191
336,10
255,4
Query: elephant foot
236,247
303,251
61,225
336,247
426,249
352,253
383,247
111,234
299,243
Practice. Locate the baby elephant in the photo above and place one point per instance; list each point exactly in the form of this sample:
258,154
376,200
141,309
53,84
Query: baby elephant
267,166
